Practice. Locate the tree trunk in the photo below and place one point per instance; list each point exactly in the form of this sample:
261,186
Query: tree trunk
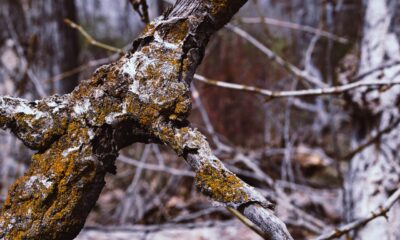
375,171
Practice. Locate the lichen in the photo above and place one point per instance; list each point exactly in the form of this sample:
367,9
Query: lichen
146,90
178,32
220,184
217,6
53,188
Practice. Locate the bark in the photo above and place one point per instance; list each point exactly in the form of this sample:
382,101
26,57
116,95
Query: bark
374,172
142,97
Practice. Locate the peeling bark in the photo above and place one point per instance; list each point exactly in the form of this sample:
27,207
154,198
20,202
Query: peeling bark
143,97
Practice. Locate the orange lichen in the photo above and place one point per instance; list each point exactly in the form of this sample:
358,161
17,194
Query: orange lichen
56,174
220,184
178,32
217,6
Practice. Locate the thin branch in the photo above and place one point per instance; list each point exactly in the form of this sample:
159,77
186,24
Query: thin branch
380,211
247,222
297,93
371,140
301,74
90,39
141,7
71,72
153,167
268,93
294,26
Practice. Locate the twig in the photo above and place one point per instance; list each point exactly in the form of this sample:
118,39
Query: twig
157,168
294,26
156,227
371,140
90,39
380,211
140,6
206,119
71,72
303,75
270,94
247,222
297,93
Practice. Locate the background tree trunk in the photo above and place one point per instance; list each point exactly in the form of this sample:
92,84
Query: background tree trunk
374,172
35,45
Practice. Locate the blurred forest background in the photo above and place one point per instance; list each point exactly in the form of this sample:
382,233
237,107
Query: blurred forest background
325,159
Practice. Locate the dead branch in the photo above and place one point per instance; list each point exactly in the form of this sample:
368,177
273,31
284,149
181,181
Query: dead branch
294,26
140,6
297,93
295,71
90,39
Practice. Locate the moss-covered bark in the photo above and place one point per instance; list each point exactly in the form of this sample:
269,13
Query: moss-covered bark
142,97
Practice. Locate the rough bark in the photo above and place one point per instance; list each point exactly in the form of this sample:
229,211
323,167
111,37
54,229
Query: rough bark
374,172
143,97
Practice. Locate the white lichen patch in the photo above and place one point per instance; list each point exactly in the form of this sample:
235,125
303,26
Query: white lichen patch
98,93
130,65
44,181
112,117
165,44
134,87
91,134
56,106
70,150
82,107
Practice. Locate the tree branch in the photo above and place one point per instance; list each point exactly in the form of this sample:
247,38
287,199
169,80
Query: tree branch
36,123
297,93
301,74
294,26
142,97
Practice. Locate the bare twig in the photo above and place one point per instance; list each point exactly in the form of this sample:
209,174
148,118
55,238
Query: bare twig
140,6
90,39
268,93
92,63
297,93
294,26
157,168
301,74
371,140
381,211
247,222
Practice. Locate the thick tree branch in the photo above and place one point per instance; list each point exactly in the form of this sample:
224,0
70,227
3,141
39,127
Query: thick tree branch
36,123
142,97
